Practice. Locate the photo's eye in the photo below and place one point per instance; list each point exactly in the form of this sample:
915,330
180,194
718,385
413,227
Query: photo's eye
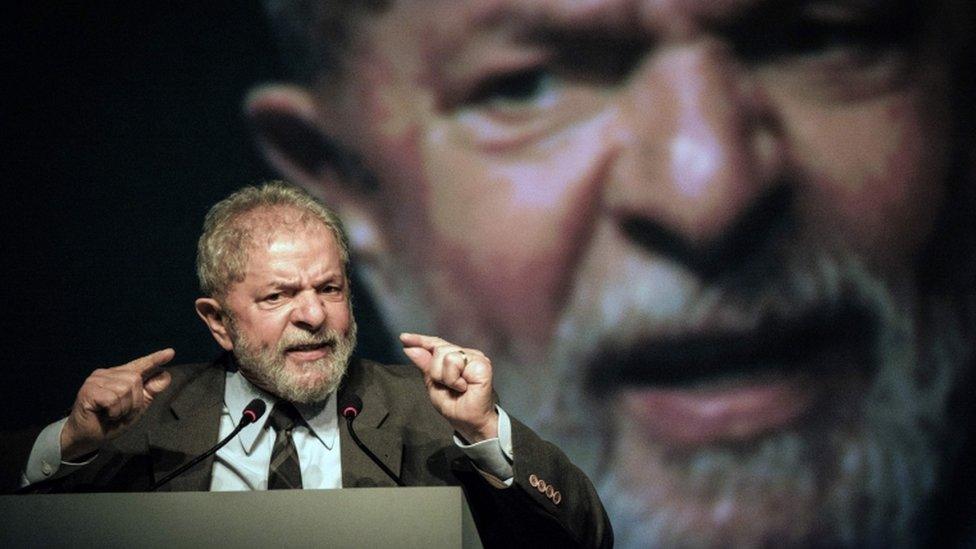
531,88
834,50
273,297
565,80
808,31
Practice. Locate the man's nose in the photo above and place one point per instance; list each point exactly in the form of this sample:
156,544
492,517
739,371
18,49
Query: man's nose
308,311
700,165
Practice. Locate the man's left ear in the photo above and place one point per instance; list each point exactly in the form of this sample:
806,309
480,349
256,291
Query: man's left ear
212,314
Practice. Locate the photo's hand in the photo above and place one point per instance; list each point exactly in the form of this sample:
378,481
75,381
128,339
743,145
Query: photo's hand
458,381
111,400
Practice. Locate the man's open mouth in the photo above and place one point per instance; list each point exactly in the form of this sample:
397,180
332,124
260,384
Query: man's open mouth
310,351
309,347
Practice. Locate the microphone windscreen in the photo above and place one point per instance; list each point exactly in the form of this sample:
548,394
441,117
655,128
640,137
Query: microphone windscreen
254,410
350,406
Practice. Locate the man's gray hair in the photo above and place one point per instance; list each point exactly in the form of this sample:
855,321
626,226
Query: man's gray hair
229,230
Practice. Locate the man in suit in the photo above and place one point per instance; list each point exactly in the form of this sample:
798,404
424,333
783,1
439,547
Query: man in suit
273,266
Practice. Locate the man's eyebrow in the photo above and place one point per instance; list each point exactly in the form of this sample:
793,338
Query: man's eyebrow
288,283
278,284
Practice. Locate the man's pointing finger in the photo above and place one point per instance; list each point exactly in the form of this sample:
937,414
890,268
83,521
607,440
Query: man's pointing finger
419,340
148,366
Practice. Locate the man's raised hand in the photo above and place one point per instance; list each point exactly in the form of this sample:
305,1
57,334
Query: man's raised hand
458,383
110,400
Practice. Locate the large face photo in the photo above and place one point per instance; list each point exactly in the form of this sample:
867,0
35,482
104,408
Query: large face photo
697,238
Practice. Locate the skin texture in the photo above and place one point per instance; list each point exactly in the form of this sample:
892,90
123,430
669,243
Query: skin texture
676,208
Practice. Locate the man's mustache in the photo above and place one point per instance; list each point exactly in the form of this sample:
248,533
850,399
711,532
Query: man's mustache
302,341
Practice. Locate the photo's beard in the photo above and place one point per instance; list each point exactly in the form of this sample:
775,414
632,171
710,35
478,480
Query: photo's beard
859,474
268,369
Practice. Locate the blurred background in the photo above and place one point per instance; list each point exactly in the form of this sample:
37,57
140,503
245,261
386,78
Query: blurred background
122,126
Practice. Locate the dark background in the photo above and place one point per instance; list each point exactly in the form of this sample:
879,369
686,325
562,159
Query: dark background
122,125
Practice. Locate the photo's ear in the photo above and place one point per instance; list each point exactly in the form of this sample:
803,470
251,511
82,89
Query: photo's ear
213,316
298,139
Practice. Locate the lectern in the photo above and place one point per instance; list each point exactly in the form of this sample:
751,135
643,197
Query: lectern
355,517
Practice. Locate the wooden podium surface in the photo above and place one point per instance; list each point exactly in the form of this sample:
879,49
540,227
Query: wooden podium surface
356,517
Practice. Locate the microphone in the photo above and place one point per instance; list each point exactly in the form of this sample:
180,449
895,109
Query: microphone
350,407
252,412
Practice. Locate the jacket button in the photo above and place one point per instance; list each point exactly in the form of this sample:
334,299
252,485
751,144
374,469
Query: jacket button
557,497
533,480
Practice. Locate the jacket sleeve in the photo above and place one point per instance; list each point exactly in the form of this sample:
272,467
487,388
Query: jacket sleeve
551,503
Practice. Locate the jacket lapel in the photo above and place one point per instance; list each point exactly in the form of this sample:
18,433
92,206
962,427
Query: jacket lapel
190,430
377,427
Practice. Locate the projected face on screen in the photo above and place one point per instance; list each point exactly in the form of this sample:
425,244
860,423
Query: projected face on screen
688,232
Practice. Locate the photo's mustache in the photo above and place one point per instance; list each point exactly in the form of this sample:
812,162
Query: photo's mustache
814,304
775,347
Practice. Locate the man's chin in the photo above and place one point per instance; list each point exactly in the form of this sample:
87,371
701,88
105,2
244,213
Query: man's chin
308,382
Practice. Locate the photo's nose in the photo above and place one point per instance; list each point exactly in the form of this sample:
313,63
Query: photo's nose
701,159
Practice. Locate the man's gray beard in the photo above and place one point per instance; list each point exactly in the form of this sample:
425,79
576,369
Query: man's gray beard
854,478
266,368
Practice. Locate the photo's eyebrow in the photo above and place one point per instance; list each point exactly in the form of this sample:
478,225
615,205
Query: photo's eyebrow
494,21
531,18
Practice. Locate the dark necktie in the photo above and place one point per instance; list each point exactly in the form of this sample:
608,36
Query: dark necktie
284,472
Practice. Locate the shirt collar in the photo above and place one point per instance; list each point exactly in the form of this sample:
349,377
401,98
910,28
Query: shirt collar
322,419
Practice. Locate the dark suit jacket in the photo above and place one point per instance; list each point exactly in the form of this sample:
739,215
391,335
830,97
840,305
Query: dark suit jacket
397,422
